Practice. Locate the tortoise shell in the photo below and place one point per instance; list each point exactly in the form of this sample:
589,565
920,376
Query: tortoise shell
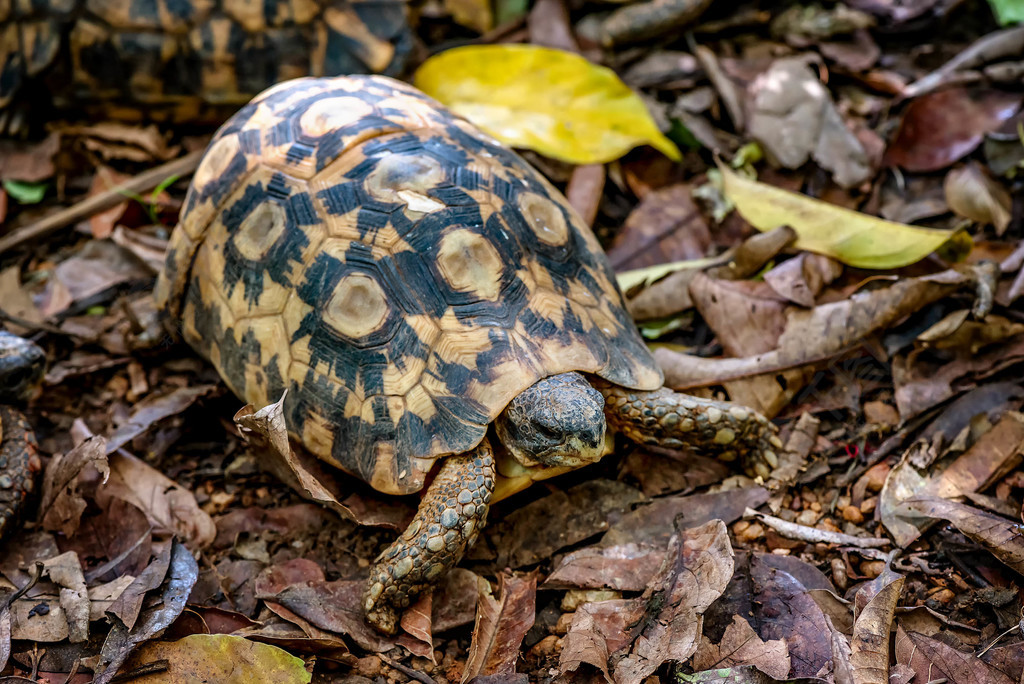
182,55
400,273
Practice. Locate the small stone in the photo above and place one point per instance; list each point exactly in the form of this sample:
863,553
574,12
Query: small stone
807,517
816,507
839,576
368,666
752,532
943,595
546,647
852,514
564,621
875,476
872,569
574,598
867,506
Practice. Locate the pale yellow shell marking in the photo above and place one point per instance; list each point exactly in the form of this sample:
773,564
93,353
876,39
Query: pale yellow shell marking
357,306
400,178
470,263
260,230
420,403
317,433
549,306
215,163
400,378
332,113
544,217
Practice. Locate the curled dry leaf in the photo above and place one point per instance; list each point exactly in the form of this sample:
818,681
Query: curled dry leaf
121,641
848,236
972,193
870,644
501,624
933,660
220,658
997,535
801,279
62,503
168,506
152,410
65,571
129,604
267,431
740,645
554,102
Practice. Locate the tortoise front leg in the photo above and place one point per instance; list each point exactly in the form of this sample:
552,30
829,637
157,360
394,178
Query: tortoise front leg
451,514
672,419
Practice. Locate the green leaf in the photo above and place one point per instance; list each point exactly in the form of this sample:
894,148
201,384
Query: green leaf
1008,11
25,193
848,236
551,101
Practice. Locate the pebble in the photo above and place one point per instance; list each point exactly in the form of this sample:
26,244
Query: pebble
839,577
564,621
368,666
943,595
546,647
875,476
751,532
808,517
853,515
868,506
872,569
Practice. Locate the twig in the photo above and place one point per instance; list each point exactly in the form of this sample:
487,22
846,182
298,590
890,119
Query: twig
813,534
421,677
146,180
1007,43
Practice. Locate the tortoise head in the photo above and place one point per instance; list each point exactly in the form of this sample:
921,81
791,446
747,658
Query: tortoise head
21,367
557,421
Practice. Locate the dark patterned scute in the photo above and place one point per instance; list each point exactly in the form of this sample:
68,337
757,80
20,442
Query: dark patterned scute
182,58
402,275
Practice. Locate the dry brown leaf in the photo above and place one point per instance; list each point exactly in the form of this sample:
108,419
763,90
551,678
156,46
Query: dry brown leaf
934,660
997,535
801,279
791,113
870,644
129,604
586,186
334,606
666,226
65,571
501,624
29,163
629,567
168,506
62,502
267,431
697,568
153,409
972,193
740,645
101,224
817,334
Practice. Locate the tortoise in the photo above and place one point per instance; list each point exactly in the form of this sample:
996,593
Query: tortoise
21,368
188,59
423,295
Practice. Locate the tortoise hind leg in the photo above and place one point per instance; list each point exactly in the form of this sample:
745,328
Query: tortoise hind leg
672,419
451,514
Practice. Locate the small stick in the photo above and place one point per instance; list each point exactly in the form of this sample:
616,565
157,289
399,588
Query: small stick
146,180
813,534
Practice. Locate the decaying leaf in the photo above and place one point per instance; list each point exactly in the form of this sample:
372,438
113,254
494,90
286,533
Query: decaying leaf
65,571
501,624
870,644
932,659
547,100
121,640
220,658
62,503
972,193
847,236
628,567
997,535
740,645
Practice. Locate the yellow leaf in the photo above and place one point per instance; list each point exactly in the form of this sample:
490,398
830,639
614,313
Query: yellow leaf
848,236
551,101
650,274
221,658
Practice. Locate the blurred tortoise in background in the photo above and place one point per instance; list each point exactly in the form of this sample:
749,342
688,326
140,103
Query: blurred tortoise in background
21,368
187,60
421,293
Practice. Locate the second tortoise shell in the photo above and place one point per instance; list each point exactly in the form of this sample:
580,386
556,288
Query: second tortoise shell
400,273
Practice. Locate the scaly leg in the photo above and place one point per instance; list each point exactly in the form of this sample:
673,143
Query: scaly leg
451,514
672,419
19,464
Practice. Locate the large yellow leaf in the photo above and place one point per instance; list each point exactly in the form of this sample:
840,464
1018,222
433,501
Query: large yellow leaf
551,101
221,658
848,236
